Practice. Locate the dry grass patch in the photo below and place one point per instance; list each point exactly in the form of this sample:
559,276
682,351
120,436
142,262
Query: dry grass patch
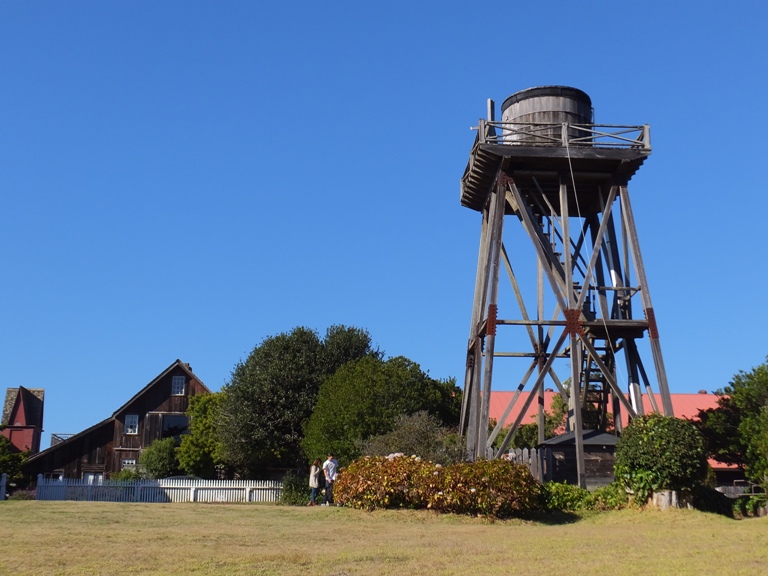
85,538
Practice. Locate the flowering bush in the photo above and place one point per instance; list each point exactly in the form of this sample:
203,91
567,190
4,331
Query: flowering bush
381,482
488,487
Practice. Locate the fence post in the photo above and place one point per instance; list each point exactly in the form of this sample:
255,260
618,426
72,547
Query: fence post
3,480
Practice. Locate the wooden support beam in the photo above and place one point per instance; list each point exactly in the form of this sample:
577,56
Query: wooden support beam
551,265
511,404
497,223
645,294
534,390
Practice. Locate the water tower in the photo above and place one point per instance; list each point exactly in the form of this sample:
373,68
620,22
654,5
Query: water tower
561,296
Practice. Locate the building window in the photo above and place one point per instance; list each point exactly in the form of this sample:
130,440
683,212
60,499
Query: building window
93,477
129,464
174,425
131,423
177,386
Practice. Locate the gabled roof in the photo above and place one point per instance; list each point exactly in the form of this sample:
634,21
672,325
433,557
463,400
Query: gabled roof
177,364
73,438
25,402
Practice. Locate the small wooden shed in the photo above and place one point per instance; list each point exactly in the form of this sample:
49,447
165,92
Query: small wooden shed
560,458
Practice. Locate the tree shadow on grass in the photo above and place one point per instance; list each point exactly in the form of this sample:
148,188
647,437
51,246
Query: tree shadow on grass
556,518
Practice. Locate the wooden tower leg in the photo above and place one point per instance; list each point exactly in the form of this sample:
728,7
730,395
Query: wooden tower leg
650,316
478,376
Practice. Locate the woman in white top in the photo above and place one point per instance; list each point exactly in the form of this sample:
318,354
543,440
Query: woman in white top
314,484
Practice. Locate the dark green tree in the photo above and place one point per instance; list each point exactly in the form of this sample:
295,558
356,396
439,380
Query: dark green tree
200,452
344,343
720,428
158,460
11,462
759,449
271,395
364,398
737,430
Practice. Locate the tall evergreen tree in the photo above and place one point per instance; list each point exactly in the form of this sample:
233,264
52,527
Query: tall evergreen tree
273,392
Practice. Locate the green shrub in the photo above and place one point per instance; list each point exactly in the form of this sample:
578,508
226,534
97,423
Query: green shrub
660,453
22,495
754,503
556,496
295,490
562,497
126,474
611,497
494,488
158,460
419,433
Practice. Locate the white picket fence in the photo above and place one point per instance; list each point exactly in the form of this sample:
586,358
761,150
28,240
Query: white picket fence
167,490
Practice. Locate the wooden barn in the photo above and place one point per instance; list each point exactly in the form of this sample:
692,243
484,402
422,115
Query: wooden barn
156,411
22,418
599,451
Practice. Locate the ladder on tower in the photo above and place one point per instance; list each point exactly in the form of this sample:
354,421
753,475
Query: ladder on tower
594,399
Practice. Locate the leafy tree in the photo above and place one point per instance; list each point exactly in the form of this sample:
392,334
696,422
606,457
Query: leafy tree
364,398
759,449
737,430
200,452
660,453
419,434
272,394
720,429
344,343
11,462
158,460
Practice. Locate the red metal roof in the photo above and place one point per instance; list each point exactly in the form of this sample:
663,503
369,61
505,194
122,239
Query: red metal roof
684,405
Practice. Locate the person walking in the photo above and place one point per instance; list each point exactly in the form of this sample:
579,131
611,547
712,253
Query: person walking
314,481
330,468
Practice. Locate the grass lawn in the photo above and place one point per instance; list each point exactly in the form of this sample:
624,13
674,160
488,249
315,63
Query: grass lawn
152,539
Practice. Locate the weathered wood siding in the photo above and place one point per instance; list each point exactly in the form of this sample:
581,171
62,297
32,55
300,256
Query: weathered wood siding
89,452
598,465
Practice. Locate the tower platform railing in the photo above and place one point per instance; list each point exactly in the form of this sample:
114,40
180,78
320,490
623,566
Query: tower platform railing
564,134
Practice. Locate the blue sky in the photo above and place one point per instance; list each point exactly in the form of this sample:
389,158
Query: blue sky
184,179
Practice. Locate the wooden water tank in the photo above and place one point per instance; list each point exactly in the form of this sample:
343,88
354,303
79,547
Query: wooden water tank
538,114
